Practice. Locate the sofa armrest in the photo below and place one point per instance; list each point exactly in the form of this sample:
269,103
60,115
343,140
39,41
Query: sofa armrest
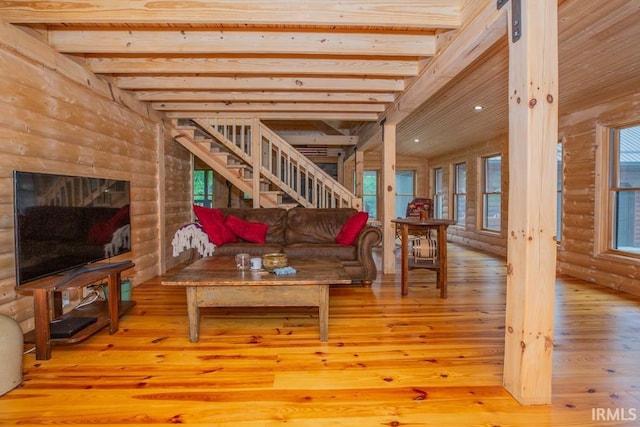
368,238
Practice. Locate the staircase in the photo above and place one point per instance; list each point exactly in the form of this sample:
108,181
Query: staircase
236,148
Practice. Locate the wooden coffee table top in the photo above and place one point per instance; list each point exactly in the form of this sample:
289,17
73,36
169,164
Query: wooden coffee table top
221,271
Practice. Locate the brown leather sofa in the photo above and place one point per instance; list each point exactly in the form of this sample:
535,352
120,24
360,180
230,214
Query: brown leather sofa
307,233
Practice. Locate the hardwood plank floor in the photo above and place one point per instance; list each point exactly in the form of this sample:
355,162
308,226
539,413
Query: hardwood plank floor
390,360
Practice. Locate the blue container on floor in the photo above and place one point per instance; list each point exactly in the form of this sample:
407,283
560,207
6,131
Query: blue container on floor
125,290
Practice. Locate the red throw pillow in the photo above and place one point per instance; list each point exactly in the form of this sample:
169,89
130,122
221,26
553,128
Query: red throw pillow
351,228
255,232
212,221
205,214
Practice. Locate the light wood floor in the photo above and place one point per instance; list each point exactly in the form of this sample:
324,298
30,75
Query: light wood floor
390,361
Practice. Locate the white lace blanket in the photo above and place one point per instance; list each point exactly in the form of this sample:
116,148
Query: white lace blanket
192,236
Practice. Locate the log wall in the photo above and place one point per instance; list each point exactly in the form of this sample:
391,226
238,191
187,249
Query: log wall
577,254
56,117
470,233
576,251
373,161
178,197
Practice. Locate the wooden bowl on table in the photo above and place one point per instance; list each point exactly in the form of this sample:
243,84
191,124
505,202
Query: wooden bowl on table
274,260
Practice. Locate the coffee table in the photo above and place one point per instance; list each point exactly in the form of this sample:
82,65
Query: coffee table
215,282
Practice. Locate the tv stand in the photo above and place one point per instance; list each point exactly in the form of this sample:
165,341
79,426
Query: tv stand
47,305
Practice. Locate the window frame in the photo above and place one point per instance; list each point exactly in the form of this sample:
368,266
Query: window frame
376,195
403,210
559,189
438,192
202,201
605,195
486,193
457,195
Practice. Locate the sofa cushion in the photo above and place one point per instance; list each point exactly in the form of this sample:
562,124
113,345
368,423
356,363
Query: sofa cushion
275,218
254,232
351,228
308,225
212,221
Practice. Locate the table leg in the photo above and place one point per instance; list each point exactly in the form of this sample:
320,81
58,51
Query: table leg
41,306
404,250
323,312
193,312
442,248
113,284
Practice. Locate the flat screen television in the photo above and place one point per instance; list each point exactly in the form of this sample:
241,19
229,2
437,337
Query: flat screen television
65,222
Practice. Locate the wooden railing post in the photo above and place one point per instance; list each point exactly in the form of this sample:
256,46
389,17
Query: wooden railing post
256,157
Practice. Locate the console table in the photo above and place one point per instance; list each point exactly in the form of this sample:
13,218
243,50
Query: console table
440,264
47,304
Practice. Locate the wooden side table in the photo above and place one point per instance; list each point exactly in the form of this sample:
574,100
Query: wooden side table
440,264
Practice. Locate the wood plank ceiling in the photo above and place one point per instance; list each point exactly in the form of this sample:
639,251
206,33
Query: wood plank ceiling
335,62
324,67
598,56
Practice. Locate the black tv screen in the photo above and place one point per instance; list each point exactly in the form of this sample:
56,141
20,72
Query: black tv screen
64,222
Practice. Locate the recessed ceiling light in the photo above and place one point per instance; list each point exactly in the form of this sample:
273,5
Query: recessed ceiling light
478,107
416,140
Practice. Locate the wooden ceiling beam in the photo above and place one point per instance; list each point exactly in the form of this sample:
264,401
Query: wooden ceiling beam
264,106
418,14
260,83
284,96
304,115
326,128
234,65
322,140
186,41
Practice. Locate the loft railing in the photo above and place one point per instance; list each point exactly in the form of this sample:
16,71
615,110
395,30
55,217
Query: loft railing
279,162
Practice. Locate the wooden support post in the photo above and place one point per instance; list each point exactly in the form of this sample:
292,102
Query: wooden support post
388,198
531,252
359,167
256,157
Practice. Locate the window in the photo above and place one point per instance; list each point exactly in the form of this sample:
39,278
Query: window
491,192
404,192
203,187
438,194
624,189
460,193
559,194
370,193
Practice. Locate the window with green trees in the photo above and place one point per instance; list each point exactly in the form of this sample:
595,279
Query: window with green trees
203,187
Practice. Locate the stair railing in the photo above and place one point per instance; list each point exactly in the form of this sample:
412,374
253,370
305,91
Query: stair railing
280,163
